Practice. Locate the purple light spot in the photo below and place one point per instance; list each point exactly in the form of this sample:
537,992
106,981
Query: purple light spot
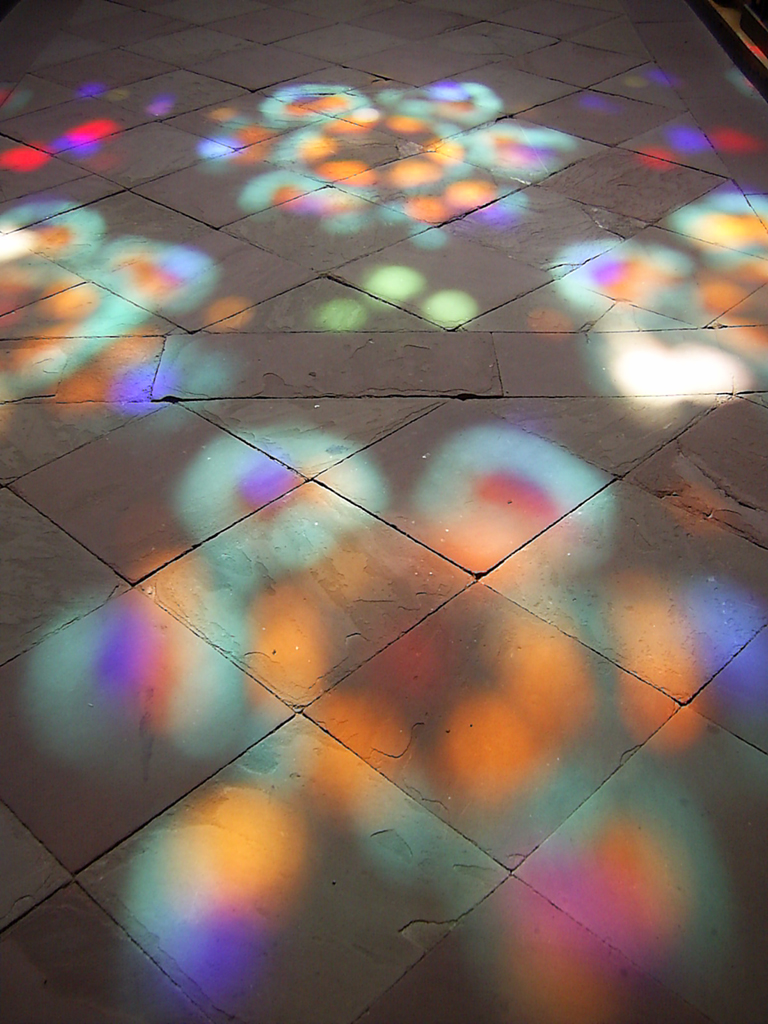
264,481
161,105
448,92
590,101
687,140
657,76
91,89
498,216
218,952
607,273
123,655
209,149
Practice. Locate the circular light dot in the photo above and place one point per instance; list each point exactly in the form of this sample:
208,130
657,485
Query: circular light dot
450,308
395,284
340,315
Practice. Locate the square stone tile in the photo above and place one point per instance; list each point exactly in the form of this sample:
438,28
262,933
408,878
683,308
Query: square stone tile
341,42
336,864
339,10
517,90
669,847
409,21
200,12
189,46
139,155
618,35
409,63
599,117
268,24
493,40
545,363
560,19
29,872
46,572
310,435
38,431
448,285
467,484
648,83
25,170
130,27
665,595
513,960
304,591
174,93
687,279
716,470
549,310
64,46
66,126
29,278
324,305
104,70
722,217
29,94
680,141
500,724
256,66
114,718
583,66
234,124
103,975
329,364
137,515
79,191
545,229
636,186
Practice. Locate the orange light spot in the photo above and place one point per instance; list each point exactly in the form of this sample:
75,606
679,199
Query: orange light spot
338,170
405,125
413,172
426,209
468,195
289,642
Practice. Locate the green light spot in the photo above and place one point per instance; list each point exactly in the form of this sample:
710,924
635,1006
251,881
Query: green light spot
395,284
449,309
340,315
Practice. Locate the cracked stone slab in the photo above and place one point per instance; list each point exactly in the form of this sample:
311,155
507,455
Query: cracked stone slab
666,595
37,432
310,435
68,961
449,285
343,882
28,872
467,484
117,496
718,470
501,725
515,959
666,853
304,591
327,364
114,718
45,571
632,184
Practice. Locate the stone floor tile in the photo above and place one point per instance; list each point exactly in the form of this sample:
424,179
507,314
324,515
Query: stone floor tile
200,12
188,47
46,570
341,42
29,94
104,976
25,169
311,436
497,722
648,83
139,154
561,19
599,117
76,192
328,364
93,10
336,865
723,217
64,46
735,698
257,66
632,185
29,278
303,592
717,470
115,717
663,855
568,62
174,93
324,305
408,62
527,368
548,310
447,285
618,35
267,24
108,69
130,27
613,433
467,484
69,125
29,872
680,141
138,515
516,959
409,21
685,278
545,229
493,40
665,595
517,89
38,431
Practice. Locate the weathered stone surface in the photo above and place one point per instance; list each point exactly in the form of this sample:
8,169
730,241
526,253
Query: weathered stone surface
28,872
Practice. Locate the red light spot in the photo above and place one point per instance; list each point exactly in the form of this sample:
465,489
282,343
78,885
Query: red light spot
22,158
658,158
734,141
522,494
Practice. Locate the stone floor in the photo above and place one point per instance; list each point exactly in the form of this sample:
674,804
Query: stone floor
385,515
